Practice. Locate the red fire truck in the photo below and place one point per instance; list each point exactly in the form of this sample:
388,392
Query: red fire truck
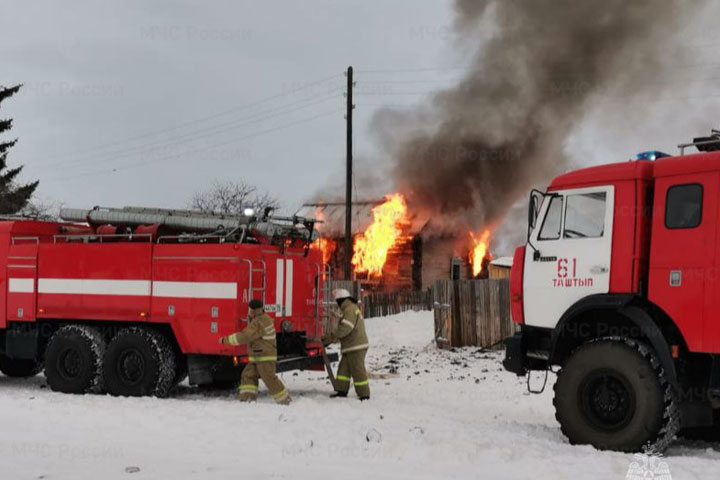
617,290
129,301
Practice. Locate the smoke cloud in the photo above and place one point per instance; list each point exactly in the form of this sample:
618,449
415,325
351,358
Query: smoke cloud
478,147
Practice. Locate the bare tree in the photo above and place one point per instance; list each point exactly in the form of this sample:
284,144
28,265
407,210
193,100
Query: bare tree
232,198
40,209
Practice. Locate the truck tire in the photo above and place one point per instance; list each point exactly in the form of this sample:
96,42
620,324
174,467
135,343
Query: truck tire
19,368
612,394
73,360
139,362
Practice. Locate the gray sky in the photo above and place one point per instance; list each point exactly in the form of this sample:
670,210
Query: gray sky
99,73
178,94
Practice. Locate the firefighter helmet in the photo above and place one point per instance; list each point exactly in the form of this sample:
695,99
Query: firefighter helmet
341,293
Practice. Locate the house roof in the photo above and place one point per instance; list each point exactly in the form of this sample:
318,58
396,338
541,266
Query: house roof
333,216
502,262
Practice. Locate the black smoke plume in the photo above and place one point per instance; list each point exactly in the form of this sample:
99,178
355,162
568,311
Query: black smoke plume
537,68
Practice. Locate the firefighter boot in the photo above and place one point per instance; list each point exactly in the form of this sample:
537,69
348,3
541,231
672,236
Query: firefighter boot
339,395
287,400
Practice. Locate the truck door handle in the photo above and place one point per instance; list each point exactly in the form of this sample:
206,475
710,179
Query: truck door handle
598,269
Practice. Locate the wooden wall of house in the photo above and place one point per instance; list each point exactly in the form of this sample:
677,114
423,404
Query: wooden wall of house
436,261
496,271
397,273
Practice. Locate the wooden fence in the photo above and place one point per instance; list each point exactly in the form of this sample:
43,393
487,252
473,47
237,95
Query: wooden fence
383,304
472,312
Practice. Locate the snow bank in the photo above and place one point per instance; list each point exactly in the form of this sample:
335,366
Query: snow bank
434,415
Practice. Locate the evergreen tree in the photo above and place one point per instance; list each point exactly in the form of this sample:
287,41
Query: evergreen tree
13,197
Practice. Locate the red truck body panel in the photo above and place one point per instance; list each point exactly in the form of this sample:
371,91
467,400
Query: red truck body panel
630,243
646,253
200,290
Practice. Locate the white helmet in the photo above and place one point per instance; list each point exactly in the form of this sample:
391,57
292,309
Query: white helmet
340,293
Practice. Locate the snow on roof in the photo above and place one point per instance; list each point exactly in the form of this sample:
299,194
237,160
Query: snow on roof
502,262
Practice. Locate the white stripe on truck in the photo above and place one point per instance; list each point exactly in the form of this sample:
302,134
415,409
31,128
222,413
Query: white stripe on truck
279,275
83,286
21,285
288,287
216,290
139,288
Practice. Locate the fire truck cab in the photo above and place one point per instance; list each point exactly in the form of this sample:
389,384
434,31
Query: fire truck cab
130,301
617,289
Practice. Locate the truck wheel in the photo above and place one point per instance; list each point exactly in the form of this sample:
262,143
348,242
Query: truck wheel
19,368
613,394
73,360
139,362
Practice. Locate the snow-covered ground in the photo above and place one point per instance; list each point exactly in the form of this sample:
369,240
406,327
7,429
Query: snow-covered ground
434,414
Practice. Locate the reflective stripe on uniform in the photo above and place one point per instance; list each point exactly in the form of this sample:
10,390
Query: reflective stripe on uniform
270,329
232,339
356,347
269,337
280,396
342,378
249,388
263,359
360,384
348,323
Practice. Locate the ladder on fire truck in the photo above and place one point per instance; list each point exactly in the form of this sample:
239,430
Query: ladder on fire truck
253,269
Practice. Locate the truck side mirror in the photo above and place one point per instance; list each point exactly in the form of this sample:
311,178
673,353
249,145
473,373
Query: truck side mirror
533,210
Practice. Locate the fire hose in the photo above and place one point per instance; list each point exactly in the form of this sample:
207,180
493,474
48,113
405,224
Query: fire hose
326,361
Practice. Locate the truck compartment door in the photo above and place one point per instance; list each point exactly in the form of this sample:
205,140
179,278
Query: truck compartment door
683,276
22,280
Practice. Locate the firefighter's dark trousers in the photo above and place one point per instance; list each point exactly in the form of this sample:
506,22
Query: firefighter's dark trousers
266,371
352,366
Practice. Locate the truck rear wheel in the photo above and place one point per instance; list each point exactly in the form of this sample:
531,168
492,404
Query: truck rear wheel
139,362
19,368
73,360
613,394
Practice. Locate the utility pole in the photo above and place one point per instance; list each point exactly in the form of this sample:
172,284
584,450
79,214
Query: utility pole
349,177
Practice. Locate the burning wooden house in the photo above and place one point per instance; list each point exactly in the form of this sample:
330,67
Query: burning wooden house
395,249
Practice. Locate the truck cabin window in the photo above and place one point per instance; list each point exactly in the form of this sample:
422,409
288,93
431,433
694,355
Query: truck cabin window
683,206
551,225
585,215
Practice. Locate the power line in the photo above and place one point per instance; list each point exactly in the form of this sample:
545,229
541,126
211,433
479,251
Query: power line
195,121
197,150
196,135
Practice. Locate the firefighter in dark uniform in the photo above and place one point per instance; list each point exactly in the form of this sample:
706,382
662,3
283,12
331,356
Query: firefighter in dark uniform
353,347
262,354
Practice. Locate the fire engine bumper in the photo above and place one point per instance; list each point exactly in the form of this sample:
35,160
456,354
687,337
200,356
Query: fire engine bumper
515,354
304,363
528,349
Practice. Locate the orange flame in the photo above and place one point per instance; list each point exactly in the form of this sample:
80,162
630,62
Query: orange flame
479,251
371,247
326,246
